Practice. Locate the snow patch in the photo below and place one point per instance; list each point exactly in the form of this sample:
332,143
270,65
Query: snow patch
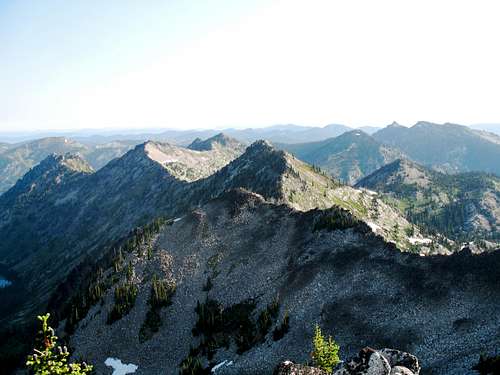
225,363
120,368
419,241
374,227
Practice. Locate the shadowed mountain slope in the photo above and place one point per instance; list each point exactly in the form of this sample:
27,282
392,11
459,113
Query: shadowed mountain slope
258,254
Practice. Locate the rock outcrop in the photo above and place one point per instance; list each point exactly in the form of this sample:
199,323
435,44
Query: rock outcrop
368,362
290,368
381,362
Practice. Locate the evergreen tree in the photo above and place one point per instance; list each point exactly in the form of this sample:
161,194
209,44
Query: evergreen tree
325,352
48,359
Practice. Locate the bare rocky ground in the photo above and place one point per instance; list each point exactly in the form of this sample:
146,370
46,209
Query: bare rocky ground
359,288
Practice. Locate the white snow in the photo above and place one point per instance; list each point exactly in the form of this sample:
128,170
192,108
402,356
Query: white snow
225,363
374,227
120,368
177,219
416,240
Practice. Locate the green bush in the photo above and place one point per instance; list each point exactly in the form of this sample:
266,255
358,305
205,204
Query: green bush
161,296
192,366
125,296
48,359
325,353
336,218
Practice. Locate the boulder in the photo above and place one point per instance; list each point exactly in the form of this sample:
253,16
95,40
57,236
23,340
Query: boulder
400,370
368,362
290,368
402,359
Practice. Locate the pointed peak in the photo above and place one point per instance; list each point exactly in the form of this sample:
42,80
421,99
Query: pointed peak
262,143
69,161
220,139
52,171
395,124
261,146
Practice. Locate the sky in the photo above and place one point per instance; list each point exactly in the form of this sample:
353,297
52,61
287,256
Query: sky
217,63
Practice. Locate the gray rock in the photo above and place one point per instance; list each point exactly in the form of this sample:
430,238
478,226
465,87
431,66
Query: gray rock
290,368
368,362
400,370
399,358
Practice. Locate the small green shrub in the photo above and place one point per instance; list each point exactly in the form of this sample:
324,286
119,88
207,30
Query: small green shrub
192,365
161,296
336,218
325,353
125,296
48,360
218,326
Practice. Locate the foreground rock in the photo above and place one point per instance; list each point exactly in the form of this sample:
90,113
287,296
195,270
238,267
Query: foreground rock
290,368
381,362
368,362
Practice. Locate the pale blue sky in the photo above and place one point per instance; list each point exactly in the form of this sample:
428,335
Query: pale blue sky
192,64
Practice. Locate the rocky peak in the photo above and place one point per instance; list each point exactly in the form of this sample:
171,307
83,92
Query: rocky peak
74,163
395,124
261,145
220,139
67,164
399,171
53,171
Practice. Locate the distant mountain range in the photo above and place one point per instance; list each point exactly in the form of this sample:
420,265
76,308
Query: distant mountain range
277,133
449,148
345,154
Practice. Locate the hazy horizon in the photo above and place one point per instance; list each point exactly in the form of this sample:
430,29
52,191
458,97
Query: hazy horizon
151,129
